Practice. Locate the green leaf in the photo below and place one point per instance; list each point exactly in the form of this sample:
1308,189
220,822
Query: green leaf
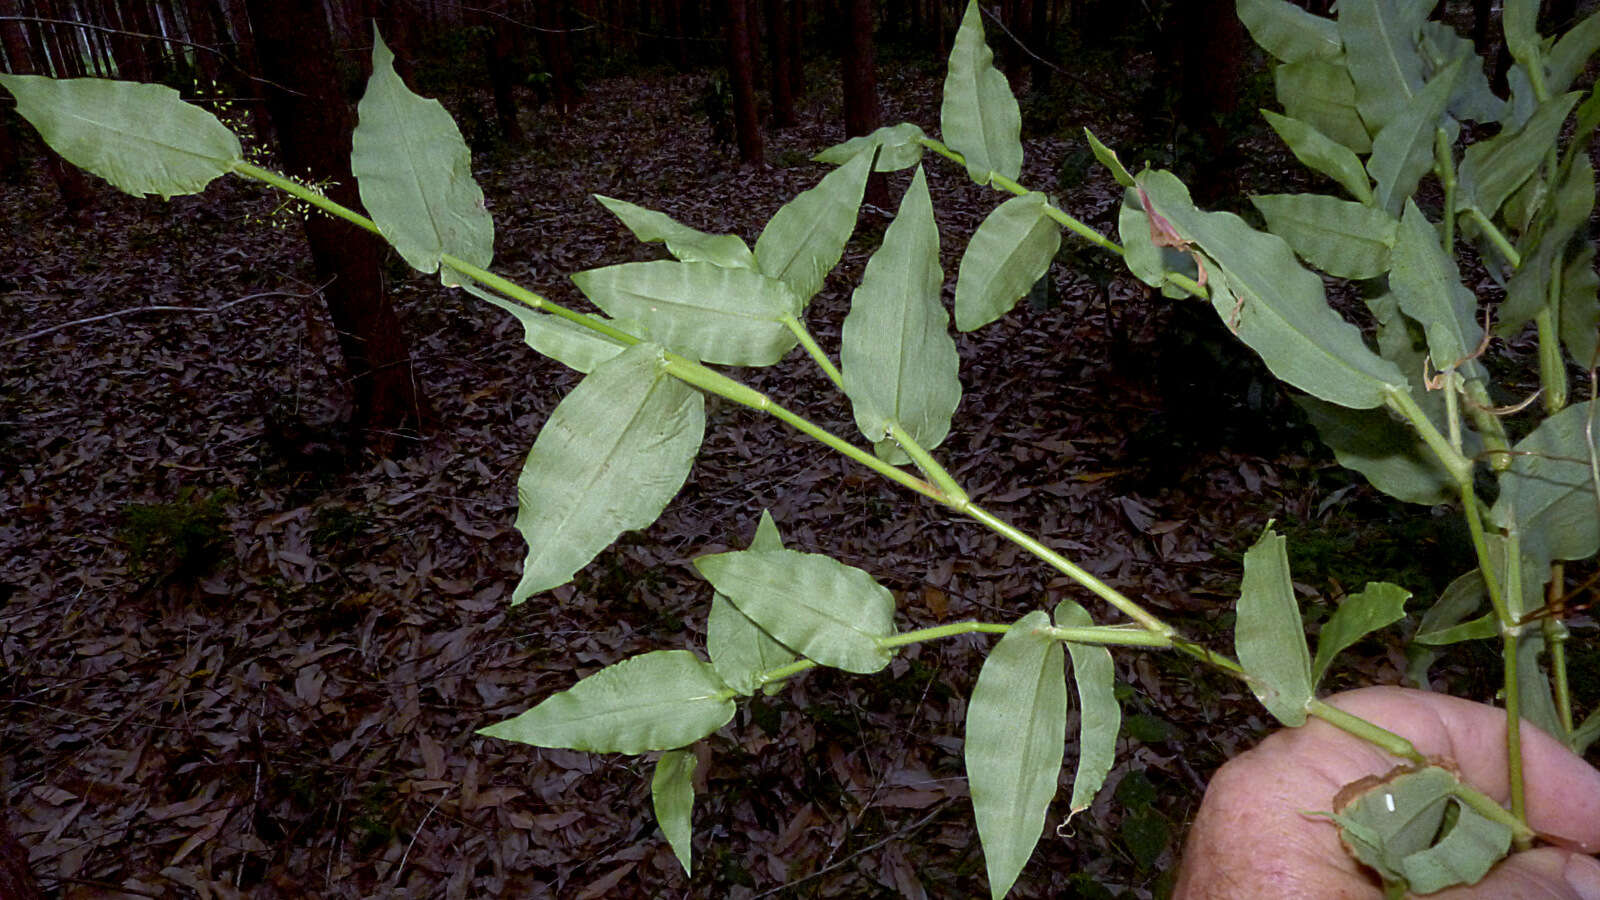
685,243
829,612
1380,46
1281,311
672,795
415,174
1428,285
1108,158
614,452
1548,495
568,343
1288,32
806,236
1387,452
1379,605
1520,19
899,361
712,313
1269,636
1473,98
1322,153
1493,169
1580,311
1572,52
1016,729
1403,150
1480,629
1560,219
1147,262
661,700
897,146
1342,238
1399,827
1008,253
740,650
979,117
1320,93
140,137
1099,715
1461,598
1585,734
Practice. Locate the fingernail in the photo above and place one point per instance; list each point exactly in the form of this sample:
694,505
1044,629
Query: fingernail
1582,874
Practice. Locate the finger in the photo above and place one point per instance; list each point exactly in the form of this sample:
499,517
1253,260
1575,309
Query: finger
1562,791
1547,873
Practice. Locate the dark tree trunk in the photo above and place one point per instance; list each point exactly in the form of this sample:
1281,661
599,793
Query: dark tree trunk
16,876
741,75
498,43
396,21
314,123
76,195
1212,45
778,63
203,30
860,77
557,56
797,33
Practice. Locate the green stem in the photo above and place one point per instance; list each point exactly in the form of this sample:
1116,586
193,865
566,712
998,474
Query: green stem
1493,432
1400,400
1480,548
1444,166
1552,368
1102,590
787,671
1206,656
956,498
1555,640
1392,743
1496,237
309,195
1508,654
814,350
1485,805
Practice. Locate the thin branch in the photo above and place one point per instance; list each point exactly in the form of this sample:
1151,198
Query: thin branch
143,309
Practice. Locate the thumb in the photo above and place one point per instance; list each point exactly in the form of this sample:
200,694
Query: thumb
1548,873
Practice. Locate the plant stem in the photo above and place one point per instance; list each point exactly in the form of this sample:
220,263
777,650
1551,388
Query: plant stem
1104,591
814,350
956,498
1459,467
1552,367
1555,641
1496,237
1444,166
1393,743
1485,806
1508,654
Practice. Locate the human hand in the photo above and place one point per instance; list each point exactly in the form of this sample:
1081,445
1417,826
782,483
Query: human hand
1252,840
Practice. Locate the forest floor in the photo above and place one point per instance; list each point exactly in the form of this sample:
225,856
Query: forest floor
235,665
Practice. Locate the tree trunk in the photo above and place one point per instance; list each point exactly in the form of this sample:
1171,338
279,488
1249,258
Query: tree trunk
860,77
557,57
797,33
76,195
778,63
741,75
498,42
314,124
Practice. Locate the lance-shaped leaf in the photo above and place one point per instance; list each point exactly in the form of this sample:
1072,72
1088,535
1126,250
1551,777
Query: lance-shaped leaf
1580,310
1403,151
415,174
1380,44
685,243
1342,238
1379,605
806,236
568,343
829,612
1147,262
1461,598
1389,453
897,147
1008,254
1520,20
140,137
1428,285
1289,32
614,452
979,117
1473,98
672,795
740,650
1548,494
1269,636
1322,153
1108,158
1493,169
1320,93
1099,715
1279,308
1572,52
899,361
1016,728
710,312
1560,219
661,700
